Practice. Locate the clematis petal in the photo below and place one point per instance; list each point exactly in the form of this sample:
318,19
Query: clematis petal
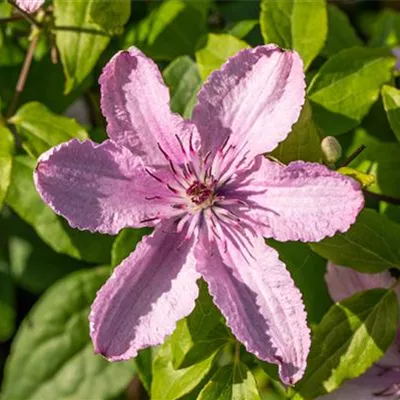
396,53
259,300
343,282
135,102
30,6
375,384
146,295
254,98
304,201
101,188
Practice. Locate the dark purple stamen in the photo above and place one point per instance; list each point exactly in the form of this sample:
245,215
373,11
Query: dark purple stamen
199,192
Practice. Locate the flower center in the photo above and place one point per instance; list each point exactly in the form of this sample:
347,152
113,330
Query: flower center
200,194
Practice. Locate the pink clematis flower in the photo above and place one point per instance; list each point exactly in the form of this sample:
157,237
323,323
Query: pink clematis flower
212,197
382,381
396,53
30,6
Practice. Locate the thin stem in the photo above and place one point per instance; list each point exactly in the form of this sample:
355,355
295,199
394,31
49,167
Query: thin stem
23,75
80,30
11,19
353,155
25,15
382,197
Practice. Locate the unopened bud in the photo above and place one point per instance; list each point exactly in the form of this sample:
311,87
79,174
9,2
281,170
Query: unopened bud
331,149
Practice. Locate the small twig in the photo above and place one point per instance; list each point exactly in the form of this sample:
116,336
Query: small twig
353,155
382,197
11,19
23,75
80,30
25,15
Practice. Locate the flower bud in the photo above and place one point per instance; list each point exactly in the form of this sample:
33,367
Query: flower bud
331,149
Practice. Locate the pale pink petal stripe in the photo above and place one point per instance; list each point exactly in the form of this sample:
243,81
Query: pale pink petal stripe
135,102
255,98
30,6
100,187
304,201
260,302
145,296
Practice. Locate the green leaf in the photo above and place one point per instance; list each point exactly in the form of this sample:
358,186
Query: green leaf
169,383
344,89
391,101
386,30
214,50
232,382
353,335
390,211
41,129
33,265
79,51
303,142
6,154
23,198
243,28
379,159
52,355
300,25
110,15
200,334
371,245
171,30
183,79
341,34
143,362
125,243
308,271
7,302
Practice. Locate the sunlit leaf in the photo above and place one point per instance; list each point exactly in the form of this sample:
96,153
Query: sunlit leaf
231,382
110,15
372,244
346,86
300,25
183,79
171,384
391,101
200,334
80,43
214,50
41,129
354,334
6,155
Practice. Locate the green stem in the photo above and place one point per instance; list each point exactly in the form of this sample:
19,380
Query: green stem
382,197
80,30
353,155
22,76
